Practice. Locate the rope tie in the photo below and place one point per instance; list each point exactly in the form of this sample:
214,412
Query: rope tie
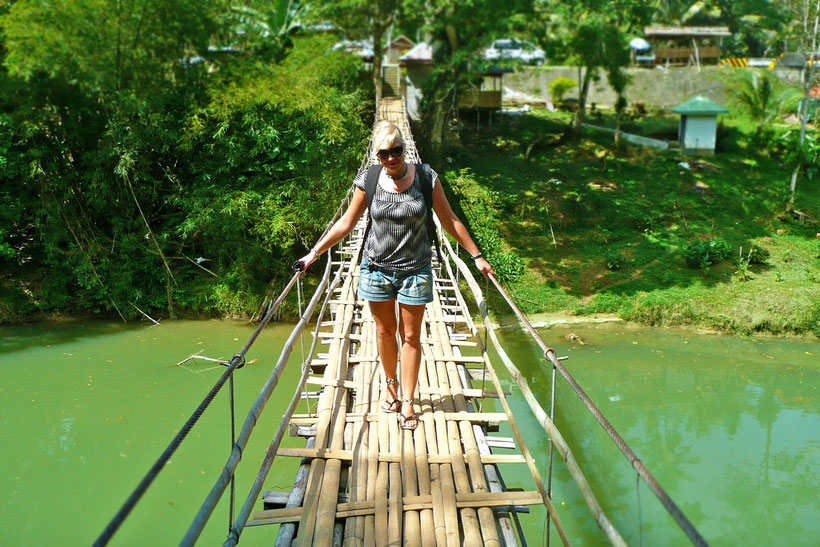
239,448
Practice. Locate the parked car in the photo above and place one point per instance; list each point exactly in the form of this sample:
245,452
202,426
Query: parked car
507,48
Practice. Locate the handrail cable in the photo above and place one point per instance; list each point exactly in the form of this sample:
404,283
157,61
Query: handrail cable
267,462
222,482
694,536
238,361
218,489
613,534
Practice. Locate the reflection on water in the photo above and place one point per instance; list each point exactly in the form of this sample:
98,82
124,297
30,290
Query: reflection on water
729,427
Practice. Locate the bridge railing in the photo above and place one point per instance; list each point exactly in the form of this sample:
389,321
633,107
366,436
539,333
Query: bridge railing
546,422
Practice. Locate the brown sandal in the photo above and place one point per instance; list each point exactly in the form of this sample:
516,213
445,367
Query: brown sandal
389,406
413,418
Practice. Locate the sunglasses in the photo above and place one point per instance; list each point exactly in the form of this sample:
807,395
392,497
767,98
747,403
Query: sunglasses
395,152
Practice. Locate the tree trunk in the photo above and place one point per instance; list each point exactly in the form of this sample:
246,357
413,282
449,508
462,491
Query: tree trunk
169,293
582,101
438,124
804,114
378,32
379,28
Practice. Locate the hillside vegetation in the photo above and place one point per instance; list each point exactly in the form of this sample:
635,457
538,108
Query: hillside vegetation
584,226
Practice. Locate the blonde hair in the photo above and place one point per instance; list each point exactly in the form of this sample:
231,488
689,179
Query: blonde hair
384,135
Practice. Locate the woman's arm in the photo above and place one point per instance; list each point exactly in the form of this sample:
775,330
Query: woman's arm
340,229
453,225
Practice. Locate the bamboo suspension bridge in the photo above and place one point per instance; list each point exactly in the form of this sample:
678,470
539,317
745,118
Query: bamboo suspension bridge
362,479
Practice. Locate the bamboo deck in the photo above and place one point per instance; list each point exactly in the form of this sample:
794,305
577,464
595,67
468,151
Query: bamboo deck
365,481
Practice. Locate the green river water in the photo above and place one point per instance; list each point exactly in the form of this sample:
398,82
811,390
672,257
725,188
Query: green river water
730,427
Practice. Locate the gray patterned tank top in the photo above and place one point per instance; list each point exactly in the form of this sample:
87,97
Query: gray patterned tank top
398,234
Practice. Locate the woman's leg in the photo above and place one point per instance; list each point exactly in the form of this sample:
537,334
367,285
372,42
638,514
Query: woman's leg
384,314
411,320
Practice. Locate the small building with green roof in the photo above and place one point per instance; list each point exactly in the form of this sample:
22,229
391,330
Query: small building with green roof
698,124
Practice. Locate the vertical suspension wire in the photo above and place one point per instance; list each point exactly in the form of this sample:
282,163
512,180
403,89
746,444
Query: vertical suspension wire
549,471
458,272
640,515
233,442
486,347
302,340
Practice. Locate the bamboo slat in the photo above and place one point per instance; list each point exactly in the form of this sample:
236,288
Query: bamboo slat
410,503
372,458
429,445
305,535
437,485
410,486
469,516
448,488
394,508
486,516
381,483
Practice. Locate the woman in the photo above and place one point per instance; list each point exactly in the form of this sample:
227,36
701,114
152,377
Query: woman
396,259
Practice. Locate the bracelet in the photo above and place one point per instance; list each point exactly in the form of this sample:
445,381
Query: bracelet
315,252
476,257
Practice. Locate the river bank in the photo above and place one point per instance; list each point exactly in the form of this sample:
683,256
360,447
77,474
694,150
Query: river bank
583,226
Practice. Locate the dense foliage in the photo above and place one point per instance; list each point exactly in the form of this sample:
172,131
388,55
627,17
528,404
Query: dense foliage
143,164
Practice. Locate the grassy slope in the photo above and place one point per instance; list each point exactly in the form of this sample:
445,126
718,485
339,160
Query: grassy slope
632,209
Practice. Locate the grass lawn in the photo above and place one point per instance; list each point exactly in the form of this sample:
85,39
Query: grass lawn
600,228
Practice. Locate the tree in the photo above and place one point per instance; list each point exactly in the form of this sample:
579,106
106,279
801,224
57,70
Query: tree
265,28
592,34
108,46
123,158
367,20
761,95
803,33
458,31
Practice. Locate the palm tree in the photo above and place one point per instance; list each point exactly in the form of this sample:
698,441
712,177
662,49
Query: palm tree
269,28
679,13
759,96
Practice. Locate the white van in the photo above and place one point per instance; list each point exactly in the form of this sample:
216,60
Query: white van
507,48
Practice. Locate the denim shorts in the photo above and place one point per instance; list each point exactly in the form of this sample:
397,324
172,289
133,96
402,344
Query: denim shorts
412,288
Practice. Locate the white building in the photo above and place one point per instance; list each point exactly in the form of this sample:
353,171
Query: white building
698,124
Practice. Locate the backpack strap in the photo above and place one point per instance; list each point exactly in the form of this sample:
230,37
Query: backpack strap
371,179
426,180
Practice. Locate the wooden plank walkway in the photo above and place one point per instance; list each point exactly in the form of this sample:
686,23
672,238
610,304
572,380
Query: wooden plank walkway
363,480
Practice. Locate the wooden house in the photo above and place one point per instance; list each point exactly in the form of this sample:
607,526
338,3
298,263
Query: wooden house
692,46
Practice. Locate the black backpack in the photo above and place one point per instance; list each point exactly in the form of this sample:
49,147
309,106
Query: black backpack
371,179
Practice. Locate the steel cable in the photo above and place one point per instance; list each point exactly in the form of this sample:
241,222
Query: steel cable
238,361
694,536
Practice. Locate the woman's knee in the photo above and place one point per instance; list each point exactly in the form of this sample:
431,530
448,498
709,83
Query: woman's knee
411,335
386,331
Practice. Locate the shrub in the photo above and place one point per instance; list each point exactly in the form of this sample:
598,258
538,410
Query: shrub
758,255
614,261
560,87
481,211
702,253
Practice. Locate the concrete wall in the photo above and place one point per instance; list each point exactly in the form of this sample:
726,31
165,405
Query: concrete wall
700,134
660,88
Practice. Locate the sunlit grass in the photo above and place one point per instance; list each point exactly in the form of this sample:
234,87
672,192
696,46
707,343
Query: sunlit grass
601,228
